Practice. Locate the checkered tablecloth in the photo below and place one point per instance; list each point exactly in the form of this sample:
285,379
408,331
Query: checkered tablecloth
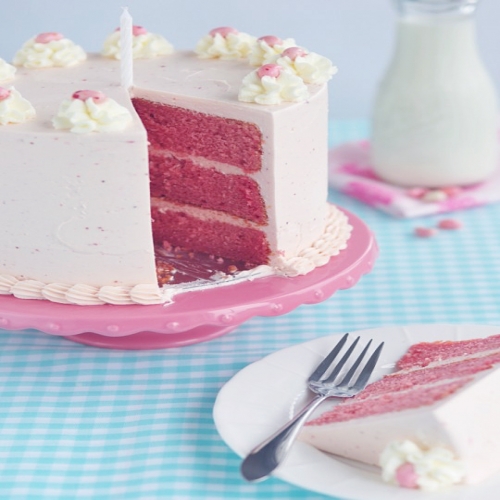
78,422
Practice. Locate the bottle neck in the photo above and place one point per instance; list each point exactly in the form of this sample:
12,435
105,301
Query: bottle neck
436,10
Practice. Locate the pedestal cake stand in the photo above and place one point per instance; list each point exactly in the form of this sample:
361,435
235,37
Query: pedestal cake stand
194,316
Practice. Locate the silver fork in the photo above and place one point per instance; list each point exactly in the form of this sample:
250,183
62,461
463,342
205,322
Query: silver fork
268,455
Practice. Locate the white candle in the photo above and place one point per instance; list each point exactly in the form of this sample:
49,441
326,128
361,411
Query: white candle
126,56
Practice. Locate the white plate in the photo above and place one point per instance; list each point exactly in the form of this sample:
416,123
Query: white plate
262,396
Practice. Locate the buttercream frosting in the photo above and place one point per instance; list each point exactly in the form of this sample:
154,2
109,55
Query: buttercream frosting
311,67
14,108
406,464
269,89
266,48
225,43
7,71
60,52
83,116
145,45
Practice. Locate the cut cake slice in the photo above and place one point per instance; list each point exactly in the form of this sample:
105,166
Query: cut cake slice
441,395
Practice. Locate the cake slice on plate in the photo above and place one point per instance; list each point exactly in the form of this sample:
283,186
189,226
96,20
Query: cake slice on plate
434,421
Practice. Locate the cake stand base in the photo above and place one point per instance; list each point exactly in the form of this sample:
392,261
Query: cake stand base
152,340
195,316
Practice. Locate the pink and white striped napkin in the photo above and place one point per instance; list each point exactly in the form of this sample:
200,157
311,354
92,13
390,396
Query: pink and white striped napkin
350,173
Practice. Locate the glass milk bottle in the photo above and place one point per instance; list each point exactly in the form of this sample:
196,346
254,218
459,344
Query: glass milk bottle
435,117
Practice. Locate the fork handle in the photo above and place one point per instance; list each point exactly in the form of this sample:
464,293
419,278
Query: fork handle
264,458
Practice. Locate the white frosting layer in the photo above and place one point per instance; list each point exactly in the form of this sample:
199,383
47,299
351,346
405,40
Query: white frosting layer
87,116
145,46
7,71
287,87
15,109
232,46
312,67
435,468
263,53
62,53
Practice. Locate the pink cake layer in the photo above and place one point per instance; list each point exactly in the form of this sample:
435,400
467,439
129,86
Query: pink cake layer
413,379
212,237
183,181
391,402
428,352
225,140
415,384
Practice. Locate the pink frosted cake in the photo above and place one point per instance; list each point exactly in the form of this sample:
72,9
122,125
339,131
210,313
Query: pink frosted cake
221,151
432,422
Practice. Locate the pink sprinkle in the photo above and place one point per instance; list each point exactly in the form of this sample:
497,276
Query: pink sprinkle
223,31
416,192
48,37
406,476
271,40
138,30
4,93
449,224
294,52
95,95
272,70
425,232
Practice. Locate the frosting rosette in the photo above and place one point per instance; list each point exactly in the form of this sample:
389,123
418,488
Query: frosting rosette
225,43
14,108
91,111
311,67
145,45
266,48
406,464
272,84
49,50
7,71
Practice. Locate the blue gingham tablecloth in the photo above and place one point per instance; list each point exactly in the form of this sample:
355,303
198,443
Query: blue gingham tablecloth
79,422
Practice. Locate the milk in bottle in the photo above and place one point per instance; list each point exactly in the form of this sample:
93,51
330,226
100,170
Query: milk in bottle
435,116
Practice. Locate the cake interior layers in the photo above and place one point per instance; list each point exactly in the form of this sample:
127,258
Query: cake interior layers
432,371
181,130
204,197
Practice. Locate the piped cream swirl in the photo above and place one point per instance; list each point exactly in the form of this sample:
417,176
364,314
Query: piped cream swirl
84,116
269,90
55,53
14,108
311,67
232,45
406,464
144,46
7,71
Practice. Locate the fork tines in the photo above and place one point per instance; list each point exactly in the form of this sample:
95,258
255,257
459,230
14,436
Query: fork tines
320,374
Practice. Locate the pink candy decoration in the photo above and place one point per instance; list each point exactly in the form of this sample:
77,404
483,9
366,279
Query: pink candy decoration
425,232
95,95
294,52
271,40
406,476
223,31
449,224
48,37
4,93
136,30
272,70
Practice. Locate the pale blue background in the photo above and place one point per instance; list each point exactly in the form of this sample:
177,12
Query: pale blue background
356,34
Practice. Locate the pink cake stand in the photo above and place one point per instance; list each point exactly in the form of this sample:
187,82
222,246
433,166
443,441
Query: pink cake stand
195,316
